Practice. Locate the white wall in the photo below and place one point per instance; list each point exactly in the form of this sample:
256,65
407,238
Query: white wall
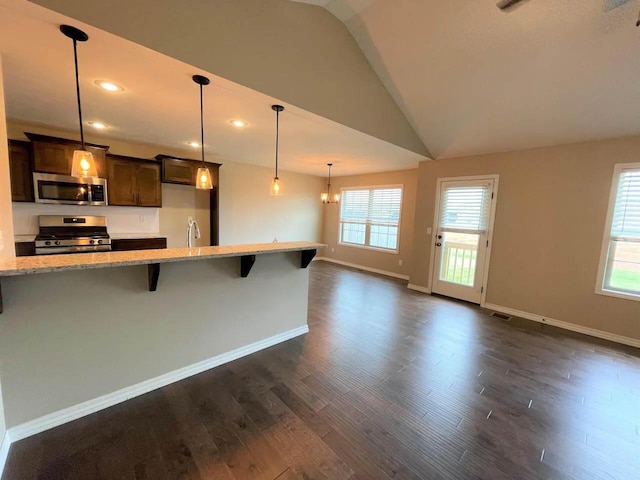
119,219
179,202
249,214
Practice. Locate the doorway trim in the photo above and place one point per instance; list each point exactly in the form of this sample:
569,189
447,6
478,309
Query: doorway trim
496,181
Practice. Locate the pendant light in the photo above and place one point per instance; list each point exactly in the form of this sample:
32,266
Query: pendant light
83,164
203,178
276,186
327,197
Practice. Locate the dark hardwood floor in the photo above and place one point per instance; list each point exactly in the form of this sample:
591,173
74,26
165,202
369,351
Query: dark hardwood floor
389,383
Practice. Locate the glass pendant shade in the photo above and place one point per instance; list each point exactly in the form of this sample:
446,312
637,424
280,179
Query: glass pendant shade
83,164
276,187
203,179
329,197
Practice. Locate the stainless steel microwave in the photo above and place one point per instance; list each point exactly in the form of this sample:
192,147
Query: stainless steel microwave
67,190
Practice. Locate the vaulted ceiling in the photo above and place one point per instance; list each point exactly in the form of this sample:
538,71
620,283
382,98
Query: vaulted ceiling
473,79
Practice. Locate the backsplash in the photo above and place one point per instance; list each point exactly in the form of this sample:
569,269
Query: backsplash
119,219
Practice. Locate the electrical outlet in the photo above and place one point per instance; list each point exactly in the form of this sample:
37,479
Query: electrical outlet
400,262
429,230
333,249
141,218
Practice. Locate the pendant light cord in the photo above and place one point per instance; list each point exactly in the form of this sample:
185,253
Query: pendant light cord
329,185
202,126
277,138
75,58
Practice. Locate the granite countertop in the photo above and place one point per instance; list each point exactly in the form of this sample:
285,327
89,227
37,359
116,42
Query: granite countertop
24,238
59,263
127,236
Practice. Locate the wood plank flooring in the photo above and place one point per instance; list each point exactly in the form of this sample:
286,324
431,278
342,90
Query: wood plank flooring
389,383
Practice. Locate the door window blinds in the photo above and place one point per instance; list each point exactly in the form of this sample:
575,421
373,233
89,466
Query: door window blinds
465,207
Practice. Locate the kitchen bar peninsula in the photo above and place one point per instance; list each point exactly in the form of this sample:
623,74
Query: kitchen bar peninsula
82,332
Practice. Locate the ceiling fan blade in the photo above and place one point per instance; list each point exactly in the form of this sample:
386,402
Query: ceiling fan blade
505,4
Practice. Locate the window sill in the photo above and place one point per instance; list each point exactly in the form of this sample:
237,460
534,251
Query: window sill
625,296
366,247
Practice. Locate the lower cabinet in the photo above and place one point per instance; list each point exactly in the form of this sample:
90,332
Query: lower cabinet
122,244
25,249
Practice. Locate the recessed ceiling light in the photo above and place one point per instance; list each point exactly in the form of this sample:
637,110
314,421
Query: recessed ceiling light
239,123
98,125
193,144
109,86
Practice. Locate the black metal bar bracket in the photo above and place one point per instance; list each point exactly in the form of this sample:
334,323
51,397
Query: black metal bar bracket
153,271
306,256
246,263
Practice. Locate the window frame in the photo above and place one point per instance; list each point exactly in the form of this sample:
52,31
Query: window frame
367,234
606,240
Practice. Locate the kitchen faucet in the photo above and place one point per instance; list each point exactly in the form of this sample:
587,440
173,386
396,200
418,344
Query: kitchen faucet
191,225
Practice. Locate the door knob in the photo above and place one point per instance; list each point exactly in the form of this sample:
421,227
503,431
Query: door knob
438,244
439,237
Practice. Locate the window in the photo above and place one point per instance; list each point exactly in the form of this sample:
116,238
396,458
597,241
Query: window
619,273
370,217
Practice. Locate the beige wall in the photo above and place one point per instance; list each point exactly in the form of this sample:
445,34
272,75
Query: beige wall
388,262
6,224
248,214
300,54
549,226
54,355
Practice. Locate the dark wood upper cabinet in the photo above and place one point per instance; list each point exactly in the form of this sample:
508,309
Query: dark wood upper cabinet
133,182
149,184
20,170
183,171
55,155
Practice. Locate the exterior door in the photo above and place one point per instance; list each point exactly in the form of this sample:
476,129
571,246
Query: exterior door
464,217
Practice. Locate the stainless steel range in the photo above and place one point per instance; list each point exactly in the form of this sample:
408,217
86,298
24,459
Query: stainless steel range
72,234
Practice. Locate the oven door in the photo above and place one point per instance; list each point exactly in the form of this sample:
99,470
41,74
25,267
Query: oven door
63,189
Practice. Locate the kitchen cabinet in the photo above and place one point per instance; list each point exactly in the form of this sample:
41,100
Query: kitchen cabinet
178,170
25,249
183,171
20,171
133,182
55,155
122,244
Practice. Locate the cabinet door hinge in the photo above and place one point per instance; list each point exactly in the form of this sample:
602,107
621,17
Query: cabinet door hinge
491,195
481,289
487,243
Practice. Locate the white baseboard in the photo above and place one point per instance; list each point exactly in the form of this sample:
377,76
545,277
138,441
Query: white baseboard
418,288
633,342
366,269
4,451
91,406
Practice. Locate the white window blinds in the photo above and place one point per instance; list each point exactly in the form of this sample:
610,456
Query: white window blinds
626,214
465,207
370,217
379,206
